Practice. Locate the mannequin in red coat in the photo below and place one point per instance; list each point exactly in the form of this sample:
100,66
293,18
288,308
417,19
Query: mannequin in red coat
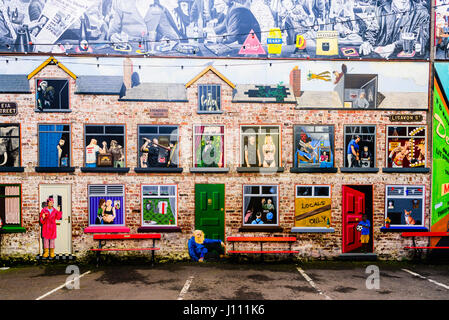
47,218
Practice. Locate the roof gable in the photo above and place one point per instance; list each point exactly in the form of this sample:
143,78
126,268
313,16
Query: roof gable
51,60
202,73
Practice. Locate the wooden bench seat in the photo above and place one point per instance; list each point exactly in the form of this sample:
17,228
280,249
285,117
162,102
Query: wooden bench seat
417,249
261,240
102,238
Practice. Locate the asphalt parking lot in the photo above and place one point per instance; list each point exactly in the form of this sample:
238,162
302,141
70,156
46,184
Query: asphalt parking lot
228,281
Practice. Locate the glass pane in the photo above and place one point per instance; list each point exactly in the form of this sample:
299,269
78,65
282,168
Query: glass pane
94,129
115,129
269,189
150,190
321,191
148,129
303,191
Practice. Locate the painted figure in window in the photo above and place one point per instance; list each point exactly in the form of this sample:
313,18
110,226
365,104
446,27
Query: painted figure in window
353,153
390,204
63,153
305,151
91,153
252,154
365,157
210,148
118,154
202,249
361,102
408,217
364,227
45,95
269,152
324,157
268,208
398,154
155,154
9,147
109,213
208,103
100,211
47,218
258,219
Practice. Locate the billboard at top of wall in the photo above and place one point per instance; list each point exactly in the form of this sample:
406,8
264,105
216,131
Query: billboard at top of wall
440,142
329,29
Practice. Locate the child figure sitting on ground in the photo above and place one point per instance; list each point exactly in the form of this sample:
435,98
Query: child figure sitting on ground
201,249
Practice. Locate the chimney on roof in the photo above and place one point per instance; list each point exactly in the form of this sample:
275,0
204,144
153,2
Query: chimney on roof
127,72
295,81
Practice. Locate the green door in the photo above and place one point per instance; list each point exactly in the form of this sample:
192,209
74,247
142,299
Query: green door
209,210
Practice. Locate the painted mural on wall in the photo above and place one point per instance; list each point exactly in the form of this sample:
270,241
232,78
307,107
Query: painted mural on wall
52,94
441,29
314,146
159,206
406,146
360,146
404,205
440,155
219,28
313,206
54,145
9,145
106,206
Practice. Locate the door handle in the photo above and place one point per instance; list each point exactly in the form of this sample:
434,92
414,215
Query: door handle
68,219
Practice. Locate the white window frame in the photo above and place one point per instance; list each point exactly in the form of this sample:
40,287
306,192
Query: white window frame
261,195
223,135
313,190
421,197
159,196
242,140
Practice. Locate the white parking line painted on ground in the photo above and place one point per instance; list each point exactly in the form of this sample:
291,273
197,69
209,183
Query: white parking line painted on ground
310,281
430,280
185,288
62,286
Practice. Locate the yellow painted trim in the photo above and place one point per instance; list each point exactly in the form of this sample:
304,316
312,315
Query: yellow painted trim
46,62
210,68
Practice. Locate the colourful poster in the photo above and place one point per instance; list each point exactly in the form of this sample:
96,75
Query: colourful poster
440,166
312,212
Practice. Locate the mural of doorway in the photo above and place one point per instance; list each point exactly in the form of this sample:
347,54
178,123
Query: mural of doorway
62,196
209,210
357,202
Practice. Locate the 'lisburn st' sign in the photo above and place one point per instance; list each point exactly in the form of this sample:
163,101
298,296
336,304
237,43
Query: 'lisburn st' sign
8,108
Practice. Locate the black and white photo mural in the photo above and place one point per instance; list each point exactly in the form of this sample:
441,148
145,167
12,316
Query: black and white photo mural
354,29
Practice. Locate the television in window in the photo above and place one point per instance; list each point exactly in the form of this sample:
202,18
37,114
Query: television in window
260,146
159,205
9,145
406,146
314,146
106,205
360,146
158,146
260,205
404,205
105,146
54,145
52,94
208,146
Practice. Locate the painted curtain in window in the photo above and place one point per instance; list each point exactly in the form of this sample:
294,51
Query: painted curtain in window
49,137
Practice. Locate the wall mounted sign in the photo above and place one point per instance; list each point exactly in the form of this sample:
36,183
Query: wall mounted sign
405,117
8,108
159,113
327,43
274,41
252,45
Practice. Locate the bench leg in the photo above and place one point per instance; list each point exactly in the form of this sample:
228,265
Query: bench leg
261,249
98,252
152,253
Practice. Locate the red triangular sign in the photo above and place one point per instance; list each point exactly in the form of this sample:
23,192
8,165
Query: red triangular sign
252,45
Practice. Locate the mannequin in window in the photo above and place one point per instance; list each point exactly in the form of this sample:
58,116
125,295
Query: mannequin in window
118,155
91,153
109,213
252,154
269,151
63,153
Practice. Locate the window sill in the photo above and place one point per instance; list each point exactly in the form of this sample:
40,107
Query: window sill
209,170
158,170
313,170
105,229
261,229
359,170
105,170
12,169
404,229
54,169
52,111
260,169
312,230
158,229
12,229
406,170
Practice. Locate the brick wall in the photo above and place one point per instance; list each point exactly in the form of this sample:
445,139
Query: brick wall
88,109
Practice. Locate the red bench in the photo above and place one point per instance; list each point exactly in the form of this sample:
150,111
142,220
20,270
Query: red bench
102,238
290,241
423,234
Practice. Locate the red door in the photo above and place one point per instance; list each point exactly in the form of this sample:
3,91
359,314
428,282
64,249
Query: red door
353,209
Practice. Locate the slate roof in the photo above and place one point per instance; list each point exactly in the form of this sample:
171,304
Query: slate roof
249,92
108,85
14,83
172,92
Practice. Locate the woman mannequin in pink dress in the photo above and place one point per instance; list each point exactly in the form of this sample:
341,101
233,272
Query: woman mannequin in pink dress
48,217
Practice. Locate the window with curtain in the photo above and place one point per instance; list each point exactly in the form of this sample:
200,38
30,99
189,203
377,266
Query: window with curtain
208,146
260,205
10,204
159,206
106,205
54,145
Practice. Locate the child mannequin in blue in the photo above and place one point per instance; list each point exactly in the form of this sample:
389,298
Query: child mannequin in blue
201,249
